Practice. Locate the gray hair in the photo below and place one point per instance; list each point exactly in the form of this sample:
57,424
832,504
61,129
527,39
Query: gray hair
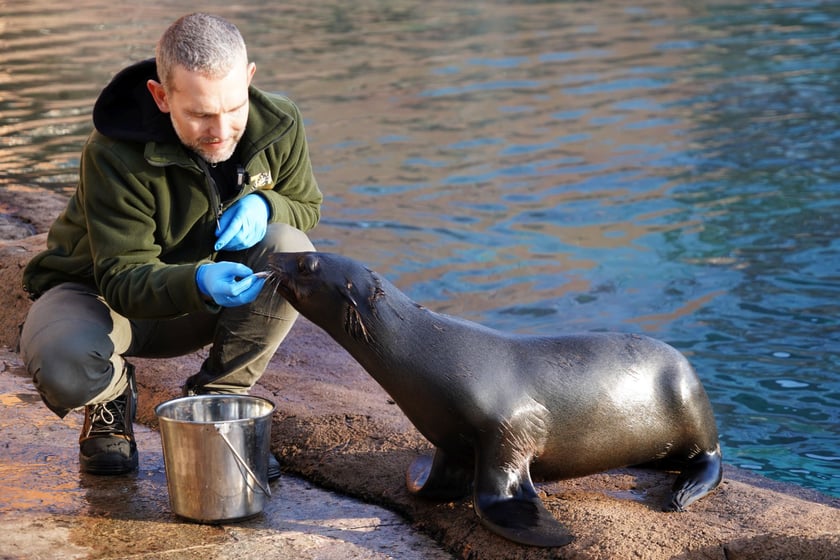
201,43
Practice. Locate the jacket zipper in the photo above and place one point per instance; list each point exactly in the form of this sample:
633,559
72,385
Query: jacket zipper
212,191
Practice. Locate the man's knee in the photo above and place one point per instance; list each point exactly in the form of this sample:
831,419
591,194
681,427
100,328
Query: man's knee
283,238
68,373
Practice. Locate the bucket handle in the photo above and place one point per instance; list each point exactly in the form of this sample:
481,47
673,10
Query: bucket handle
222,430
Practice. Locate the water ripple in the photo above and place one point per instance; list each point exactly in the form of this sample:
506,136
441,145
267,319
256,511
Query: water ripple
542,167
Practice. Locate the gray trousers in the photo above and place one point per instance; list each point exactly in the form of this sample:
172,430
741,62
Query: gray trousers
73,344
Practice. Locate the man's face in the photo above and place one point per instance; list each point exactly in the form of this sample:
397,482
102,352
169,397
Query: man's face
208,114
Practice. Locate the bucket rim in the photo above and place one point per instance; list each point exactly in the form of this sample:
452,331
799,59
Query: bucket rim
160,408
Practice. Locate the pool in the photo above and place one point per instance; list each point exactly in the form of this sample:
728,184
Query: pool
544,167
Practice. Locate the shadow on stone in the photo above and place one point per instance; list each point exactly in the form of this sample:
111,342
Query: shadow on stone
765,547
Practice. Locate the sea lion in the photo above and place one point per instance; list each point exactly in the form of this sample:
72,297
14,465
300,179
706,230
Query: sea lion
502,407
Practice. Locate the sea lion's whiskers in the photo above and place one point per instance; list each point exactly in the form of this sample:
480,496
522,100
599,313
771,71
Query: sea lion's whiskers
495,405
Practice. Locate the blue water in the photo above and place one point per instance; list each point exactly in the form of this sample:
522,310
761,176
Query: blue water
657,167
688,190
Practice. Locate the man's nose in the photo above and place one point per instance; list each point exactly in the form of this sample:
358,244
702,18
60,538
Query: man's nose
220,126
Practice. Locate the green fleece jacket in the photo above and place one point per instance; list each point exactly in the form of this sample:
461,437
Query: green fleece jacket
144,214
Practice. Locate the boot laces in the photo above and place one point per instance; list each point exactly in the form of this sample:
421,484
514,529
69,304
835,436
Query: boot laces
108,418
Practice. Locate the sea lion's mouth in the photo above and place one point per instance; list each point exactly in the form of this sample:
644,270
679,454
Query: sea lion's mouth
276,277
275,268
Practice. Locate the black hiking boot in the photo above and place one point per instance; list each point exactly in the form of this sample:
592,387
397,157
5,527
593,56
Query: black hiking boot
106,445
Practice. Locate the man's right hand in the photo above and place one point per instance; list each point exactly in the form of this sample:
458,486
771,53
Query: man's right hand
229,284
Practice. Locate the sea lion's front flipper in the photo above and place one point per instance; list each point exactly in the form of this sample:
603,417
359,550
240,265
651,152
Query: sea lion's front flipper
518,515
439,478
505,498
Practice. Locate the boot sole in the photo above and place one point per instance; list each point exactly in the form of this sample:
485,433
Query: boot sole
109,465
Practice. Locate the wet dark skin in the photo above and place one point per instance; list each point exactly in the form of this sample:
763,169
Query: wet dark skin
502,408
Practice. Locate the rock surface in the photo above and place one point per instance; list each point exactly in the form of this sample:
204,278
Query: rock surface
336,427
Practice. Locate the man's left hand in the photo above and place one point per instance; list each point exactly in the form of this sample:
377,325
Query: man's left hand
243,225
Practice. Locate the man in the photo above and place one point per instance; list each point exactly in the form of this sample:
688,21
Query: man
189,181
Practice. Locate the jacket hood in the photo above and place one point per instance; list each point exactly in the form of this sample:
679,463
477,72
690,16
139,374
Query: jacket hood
125,109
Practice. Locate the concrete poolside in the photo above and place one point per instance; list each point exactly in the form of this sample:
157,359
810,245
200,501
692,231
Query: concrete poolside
335,428
48,509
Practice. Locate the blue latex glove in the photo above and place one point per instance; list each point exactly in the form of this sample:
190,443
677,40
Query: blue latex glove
243,225
228,283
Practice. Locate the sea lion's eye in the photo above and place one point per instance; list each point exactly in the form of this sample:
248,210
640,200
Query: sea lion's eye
308,264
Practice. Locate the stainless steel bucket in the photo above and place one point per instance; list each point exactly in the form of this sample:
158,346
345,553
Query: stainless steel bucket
215,449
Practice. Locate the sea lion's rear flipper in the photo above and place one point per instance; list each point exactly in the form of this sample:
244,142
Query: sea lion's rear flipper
439,478
699,476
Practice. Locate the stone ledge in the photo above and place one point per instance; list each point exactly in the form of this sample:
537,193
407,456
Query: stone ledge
336,427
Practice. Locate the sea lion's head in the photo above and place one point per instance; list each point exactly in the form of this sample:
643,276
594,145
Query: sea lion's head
328,289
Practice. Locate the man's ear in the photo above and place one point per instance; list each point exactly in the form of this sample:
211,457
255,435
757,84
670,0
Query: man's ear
159,95
251,69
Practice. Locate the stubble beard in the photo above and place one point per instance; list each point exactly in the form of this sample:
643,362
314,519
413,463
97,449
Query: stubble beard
216,157
198,147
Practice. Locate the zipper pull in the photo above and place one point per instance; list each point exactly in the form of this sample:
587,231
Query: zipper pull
242,177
